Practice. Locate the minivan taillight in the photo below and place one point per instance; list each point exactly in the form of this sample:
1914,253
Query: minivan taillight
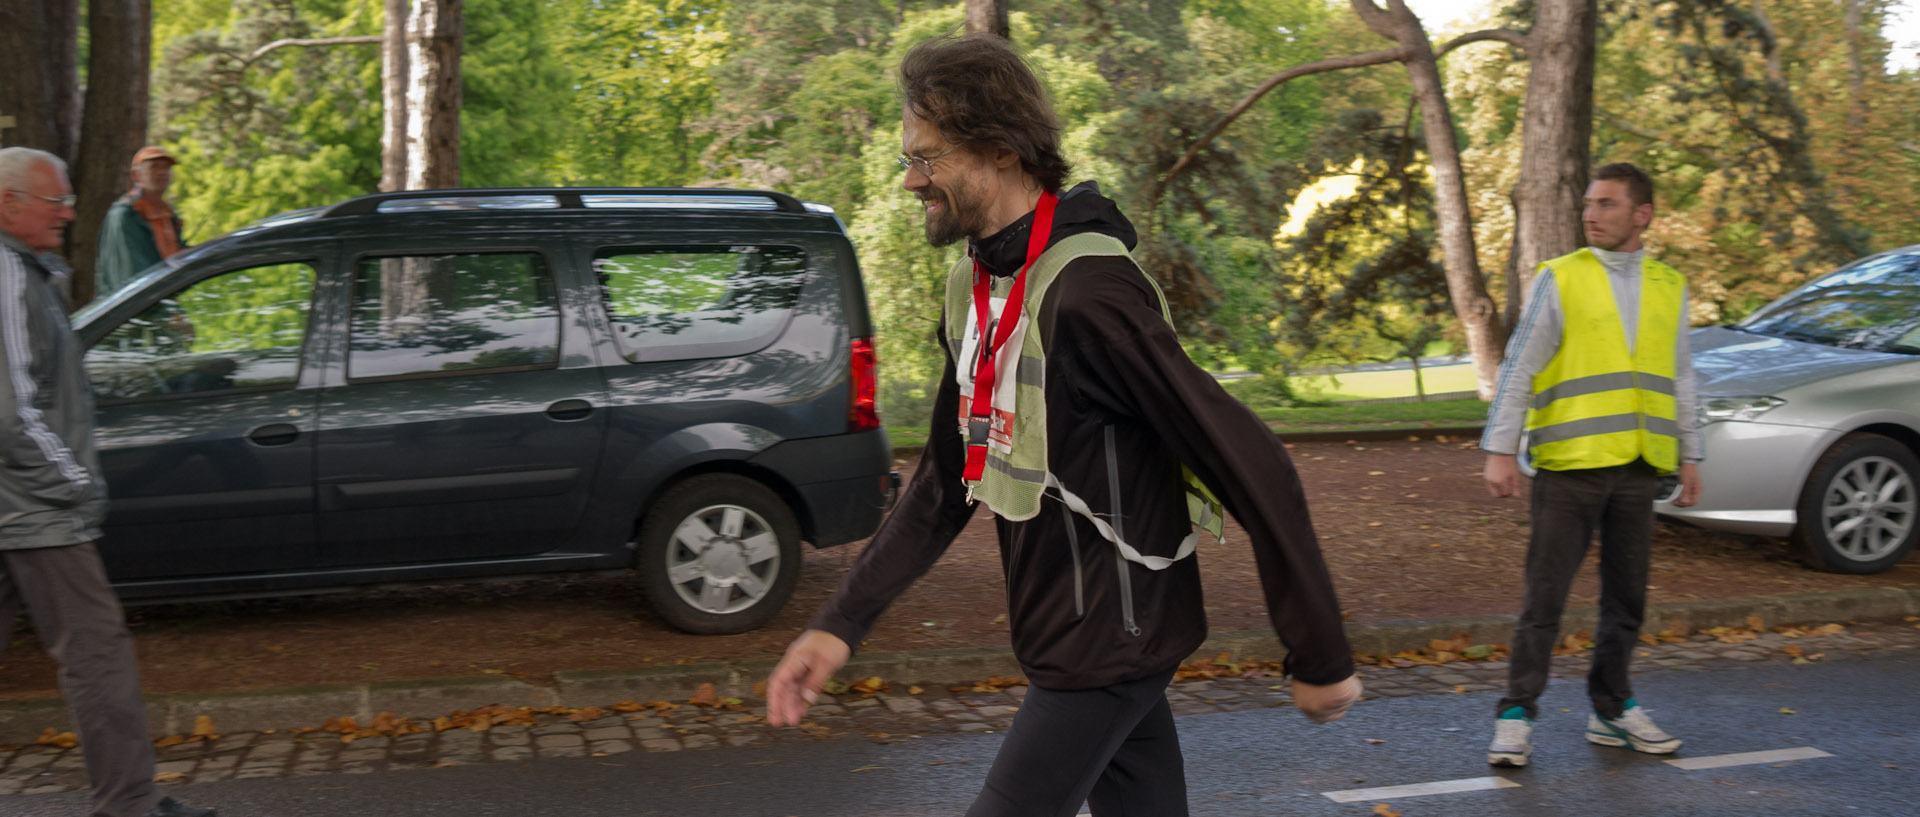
863,410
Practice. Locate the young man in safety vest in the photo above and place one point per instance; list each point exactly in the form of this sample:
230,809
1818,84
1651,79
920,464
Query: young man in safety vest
1069,408
1600,375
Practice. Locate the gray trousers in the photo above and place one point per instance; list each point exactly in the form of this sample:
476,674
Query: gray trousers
64,591
1568,506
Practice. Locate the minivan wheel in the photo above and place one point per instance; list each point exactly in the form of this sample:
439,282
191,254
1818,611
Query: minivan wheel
719,554
1860,509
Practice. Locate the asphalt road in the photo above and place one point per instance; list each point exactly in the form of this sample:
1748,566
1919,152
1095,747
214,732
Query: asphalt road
1863,713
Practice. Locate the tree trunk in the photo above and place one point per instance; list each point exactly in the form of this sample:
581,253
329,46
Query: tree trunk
113,124
433,94
1419,380
393,96
1486,335
1857,106
988,17
1557,128
38,101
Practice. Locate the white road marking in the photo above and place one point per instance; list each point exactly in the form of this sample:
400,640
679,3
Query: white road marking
1419,789
1747,758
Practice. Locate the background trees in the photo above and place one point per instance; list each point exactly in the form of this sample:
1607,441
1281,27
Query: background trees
1324,222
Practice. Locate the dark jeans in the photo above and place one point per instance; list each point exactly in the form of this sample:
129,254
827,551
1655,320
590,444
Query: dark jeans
1112,747
1567,507
65,593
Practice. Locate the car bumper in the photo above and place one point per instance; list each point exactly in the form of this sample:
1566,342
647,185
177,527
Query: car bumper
1751,477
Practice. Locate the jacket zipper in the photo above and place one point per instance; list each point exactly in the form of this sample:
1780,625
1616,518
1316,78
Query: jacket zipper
1073,545
1119,532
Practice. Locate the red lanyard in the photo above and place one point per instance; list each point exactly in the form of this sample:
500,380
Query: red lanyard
994,333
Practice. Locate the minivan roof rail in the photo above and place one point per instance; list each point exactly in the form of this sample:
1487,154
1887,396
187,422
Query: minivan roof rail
567,198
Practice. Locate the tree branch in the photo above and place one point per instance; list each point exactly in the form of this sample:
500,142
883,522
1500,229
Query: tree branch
1514,38
1319,67
1517,39
278,44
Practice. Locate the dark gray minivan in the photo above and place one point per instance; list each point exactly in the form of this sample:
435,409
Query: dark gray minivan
450,384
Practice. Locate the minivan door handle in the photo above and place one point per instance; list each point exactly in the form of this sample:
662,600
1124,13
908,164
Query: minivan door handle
570,410
274,434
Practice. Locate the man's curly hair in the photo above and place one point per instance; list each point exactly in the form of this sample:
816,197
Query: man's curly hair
981,96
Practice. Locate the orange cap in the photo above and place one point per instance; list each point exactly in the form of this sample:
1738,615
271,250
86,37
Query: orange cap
153,152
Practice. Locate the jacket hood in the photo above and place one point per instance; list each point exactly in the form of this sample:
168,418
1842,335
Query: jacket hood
1082,209
1729,361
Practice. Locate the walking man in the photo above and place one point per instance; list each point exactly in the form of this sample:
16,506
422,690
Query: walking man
1070,410
1599,374
141,228
52,498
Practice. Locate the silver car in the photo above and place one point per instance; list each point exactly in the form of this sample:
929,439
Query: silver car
1811,417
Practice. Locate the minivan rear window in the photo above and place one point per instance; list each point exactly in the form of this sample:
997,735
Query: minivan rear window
1872,305
675,303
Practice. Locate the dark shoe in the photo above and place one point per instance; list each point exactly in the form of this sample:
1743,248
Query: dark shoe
169,807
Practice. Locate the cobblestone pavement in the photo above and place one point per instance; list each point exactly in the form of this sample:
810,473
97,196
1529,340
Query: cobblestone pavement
888,716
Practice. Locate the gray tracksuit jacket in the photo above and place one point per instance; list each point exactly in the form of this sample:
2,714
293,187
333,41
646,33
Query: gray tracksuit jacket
52,493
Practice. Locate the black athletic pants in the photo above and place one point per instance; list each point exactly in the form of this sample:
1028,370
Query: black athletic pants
1112,747
1567,508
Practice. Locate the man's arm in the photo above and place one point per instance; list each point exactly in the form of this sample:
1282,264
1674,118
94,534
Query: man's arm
1685,402
931,512
1109,321
1529,350
36,458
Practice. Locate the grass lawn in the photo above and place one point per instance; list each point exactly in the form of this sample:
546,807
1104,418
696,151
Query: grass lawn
1374,385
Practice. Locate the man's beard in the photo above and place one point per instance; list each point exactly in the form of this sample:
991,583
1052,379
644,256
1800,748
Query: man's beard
961,215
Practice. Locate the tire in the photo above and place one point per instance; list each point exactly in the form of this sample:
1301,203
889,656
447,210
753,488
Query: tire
719,554
1860,509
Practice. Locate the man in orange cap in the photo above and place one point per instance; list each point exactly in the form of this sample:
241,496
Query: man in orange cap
141,228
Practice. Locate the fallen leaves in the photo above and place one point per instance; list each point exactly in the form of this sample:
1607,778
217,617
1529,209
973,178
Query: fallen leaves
64,740
169,777
1385,810
1437,651
994,683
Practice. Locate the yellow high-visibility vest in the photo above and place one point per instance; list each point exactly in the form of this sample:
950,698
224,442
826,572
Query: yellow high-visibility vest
1597,404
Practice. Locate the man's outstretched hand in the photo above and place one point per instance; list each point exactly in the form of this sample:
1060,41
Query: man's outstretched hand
796,683
1326,704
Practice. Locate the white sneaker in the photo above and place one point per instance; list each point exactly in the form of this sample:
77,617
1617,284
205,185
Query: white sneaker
1632,728
1512,743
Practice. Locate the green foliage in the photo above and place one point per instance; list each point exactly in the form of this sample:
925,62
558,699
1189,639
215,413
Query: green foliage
254,309
641,83
1764,176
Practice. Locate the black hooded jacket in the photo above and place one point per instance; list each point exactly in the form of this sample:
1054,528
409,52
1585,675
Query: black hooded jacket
1112,362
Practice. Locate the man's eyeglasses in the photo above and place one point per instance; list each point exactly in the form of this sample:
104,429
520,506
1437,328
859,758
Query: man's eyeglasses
924,164
63,201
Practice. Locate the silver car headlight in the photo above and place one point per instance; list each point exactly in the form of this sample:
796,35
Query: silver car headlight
1736,408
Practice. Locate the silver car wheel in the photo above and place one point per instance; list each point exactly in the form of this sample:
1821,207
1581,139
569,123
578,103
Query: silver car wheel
723,559
1868,508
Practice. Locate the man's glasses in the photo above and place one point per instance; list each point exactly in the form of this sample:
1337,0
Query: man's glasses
63,201
924,164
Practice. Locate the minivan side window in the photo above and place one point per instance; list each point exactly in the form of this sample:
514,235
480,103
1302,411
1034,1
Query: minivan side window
237,330
456,313
674,303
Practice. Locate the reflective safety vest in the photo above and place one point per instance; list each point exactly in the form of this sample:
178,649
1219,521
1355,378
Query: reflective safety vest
1016,477
1597,404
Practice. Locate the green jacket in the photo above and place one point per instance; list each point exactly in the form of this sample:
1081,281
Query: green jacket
127,247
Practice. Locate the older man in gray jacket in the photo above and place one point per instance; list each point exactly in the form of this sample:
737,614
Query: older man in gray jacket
53,497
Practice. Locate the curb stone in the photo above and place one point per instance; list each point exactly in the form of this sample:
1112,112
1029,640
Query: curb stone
306,706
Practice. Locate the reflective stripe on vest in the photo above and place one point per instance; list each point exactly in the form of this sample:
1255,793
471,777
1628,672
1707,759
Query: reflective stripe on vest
1017,477
1597,403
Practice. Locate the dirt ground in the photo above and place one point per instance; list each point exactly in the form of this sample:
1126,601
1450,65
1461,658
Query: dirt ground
1407,526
